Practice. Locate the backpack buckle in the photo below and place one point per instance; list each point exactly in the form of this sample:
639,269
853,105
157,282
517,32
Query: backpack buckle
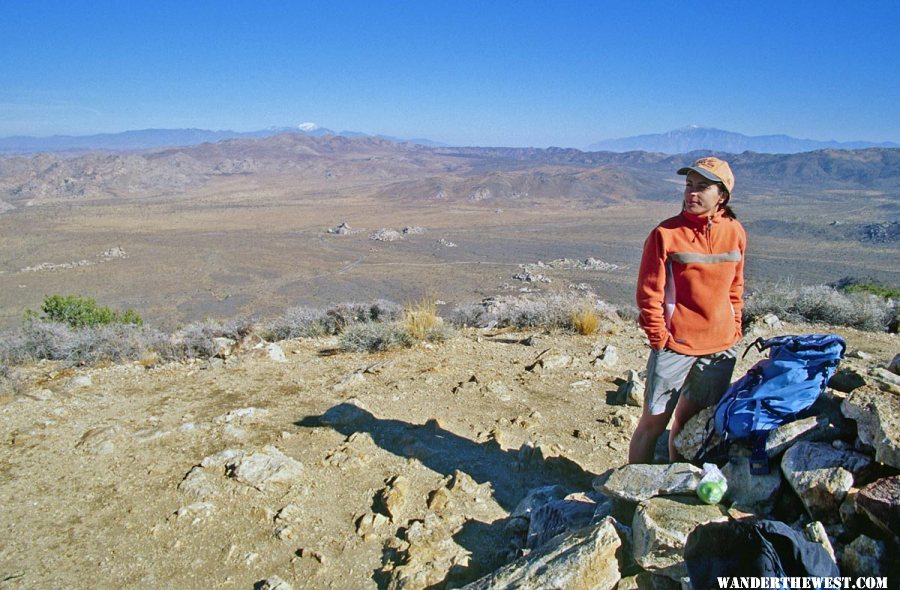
759,458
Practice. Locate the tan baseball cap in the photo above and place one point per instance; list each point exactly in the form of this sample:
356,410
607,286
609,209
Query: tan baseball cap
714,169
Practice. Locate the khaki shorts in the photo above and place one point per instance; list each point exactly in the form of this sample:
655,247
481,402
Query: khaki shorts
702,379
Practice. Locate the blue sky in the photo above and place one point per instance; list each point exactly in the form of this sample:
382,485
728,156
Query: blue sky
512,73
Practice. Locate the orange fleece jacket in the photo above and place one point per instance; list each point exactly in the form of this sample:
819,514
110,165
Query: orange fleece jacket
691,284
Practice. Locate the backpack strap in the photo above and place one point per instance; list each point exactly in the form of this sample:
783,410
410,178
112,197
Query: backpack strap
759,344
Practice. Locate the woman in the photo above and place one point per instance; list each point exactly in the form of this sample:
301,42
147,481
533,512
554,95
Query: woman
689,293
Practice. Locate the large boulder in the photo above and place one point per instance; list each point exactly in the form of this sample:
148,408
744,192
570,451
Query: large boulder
638,482
660,528
821,476
583,560
748,492
694,432
878,423
864,557
571,513
880,501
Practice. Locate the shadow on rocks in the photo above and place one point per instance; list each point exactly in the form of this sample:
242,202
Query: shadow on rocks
510,473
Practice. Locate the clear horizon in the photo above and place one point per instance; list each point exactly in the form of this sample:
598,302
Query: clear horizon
507,73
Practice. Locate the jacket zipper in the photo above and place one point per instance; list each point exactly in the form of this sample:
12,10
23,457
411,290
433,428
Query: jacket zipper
709,225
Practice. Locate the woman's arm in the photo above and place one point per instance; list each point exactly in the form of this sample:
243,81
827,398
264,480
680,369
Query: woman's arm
651,289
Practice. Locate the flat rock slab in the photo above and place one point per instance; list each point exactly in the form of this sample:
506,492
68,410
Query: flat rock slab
264,469
639,482
880,501
821,476
660,529
583,560
877,417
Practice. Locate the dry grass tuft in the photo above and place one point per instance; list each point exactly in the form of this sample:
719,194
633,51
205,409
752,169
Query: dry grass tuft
421,319
585,321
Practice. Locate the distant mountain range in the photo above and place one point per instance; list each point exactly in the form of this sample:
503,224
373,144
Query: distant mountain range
679,141
689,139
143,139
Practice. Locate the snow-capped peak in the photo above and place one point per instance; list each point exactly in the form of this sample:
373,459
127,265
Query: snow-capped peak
307,126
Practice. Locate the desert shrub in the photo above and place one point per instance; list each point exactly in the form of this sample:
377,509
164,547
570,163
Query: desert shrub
585,321
822,304
339,317
629,313
77,312
552,311
115,343
375,337
38,339
197,340
297,322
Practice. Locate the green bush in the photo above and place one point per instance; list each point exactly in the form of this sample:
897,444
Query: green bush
80,312
885,292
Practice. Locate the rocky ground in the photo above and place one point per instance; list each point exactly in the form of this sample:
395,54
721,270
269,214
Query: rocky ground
325,470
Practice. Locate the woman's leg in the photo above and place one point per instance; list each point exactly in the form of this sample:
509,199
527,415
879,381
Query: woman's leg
643,441
685,409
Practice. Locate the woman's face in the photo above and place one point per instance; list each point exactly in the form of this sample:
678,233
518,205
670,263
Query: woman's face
701,195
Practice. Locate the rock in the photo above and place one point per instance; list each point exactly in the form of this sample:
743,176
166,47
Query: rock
787,435
426,557
391,500
99,440
772,321
894,365
198,483
569,514
195,511
371,523
638,482
549,361
350,413
815,532
821,476
607,358
535,498
79,381
386,235
224,347
660,528
631,392
275,353
264,469
880,501
289,514
585,559
886,380
859,354
748,492
864,557
273,583
692,435
877,419
847,379
351,380
240,415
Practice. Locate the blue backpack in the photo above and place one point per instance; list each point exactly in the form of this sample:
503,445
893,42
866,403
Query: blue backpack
775,390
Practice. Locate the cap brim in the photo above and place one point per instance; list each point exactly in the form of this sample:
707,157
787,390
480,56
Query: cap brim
704,173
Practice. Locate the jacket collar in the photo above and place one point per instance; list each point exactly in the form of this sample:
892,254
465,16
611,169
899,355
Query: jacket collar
716,217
